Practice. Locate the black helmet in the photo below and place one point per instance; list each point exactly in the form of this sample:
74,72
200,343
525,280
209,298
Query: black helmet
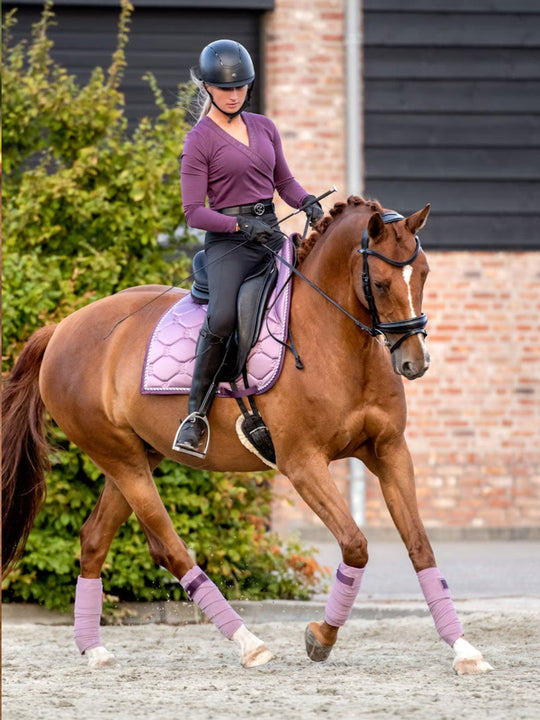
226,63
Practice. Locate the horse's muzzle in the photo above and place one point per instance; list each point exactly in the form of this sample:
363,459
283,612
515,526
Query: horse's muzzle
411,360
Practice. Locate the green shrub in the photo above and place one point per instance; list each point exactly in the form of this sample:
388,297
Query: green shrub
222,517
83,205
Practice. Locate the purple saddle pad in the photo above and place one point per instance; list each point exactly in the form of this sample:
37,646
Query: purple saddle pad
170,356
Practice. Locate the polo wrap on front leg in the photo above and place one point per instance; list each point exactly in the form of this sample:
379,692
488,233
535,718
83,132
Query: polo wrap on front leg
206,594
343,594
439,600
88,604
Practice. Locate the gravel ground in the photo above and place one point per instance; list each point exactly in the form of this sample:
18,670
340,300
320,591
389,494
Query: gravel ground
383,666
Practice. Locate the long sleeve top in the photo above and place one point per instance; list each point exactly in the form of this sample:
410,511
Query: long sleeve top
216,165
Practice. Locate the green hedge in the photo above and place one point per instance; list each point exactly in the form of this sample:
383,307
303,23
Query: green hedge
83,204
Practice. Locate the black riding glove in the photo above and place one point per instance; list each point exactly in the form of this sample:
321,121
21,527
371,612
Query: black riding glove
314,211
254,229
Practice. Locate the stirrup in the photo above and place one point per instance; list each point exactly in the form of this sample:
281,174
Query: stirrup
204,438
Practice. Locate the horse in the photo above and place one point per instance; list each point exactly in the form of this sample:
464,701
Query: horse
356,321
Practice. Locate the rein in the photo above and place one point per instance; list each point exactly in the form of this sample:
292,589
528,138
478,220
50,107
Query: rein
412,326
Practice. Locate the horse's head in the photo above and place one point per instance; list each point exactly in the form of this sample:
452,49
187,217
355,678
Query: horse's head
390,285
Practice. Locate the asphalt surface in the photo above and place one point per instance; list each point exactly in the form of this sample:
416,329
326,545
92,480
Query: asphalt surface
473,569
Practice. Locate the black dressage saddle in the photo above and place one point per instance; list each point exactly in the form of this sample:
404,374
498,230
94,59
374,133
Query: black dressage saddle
251,303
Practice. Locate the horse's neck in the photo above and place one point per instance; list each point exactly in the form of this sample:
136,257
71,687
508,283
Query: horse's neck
322,325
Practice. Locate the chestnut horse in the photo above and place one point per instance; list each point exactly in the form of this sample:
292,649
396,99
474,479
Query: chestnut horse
357,292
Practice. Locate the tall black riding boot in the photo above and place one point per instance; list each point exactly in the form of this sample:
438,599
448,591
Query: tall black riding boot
194,431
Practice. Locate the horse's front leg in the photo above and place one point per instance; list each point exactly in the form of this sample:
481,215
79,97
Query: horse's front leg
316,486
393,465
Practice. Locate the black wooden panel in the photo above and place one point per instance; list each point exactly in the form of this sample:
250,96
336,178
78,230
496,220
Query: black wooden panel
452,117
462,6
460,196
199,4
466,96
451,130
451,63
453,163
166,42
476,232
451,29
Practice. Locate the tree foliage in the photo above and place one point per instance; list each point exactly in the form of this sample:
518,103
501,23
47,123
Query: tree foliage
85,202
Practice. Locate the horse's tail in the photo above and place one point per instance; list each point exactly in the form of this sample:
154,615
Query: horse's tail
25,449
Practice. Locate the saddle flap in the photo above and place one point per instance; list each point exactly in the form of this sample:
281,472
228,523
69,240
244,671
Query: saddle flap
199,289
251,308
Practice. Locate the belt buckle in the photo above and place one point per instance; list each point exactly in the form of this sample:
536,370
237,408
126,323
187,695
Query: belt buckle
258,209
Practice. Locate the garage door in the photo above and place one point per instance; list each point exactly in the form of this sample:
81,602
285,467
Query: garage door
164,40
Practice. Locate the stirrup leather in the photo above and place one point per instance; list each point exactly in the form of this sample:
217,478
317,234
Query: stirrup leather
203,440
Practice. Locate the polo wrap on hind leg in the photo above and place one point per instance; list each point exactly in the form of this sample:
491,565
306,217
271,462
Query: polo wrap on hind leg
439,600
88,604
208,597
343,594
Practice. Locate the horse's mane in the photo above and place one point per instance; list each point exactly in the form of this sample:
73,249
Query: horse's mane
339,208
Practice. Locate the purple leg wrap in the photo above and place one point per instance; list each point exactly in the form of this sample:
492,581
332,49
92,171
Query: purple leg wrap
88,602
439,600
343,594
205,593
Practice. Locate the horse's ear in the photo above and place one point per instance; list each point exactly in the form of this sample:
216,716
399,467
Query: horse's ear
417,220
375,227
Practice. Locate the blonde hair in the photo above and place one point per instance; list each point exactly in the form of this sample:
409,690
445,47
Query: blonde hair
202,101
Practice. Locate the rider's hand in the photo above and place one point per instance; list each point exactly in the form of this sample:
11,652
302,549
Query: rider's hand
254,229
313,211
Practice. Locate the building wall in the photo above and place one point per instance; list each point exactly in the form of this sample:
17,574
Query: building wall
304,93
474,418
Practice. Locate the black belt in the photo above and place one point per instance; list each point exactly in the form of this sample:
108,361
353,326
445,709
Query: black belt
258,208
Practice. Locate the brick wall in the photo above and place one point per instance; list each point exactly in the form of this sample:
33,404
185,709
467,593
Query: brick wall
305,66
474,418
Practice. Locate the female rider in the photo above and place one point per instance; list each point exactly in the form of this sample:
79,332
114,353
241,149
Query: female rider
235,159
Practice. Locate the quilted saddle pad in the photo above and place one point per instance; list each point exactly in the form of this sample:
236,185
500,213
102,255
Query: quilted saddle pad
170,356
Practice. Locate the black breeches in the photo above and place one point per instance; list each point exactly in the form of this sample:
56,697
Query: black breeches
229,263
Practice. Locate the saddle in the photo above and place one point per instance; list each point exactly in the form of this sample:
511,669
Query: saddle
251,307
255,352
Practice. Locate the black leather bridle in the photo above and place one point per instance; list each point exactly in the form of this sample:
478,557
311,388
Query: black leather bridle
405,328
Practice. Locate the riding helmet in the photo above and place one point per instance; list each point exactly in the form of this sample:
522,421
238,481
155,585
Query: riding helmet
226,63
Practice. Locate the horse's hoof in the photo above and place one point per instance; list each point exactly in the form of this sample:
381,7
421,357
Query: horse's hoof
471,666
316,651
99,657
257,657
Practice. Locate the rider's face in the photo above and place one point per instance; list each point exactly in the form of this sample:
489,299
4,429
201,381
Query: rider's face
228,100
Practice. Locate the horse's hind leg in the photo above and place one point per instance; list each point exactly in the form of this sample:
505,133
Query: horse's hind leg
132,478
97,534
394,468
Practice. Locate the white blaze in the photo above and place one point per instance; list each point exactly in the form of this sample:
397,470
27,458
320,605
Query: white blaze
407,272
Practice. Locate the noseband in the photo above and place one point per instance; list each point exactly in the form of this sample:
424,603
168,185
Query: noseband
405,328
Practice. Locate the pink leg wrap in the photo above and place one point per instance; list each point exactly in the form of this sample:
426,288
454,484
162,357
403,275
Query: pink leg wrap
88,602
343,594
439,600
205,593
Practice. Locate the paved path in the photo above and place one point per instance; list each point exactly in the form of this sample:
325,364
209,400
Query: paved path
473,569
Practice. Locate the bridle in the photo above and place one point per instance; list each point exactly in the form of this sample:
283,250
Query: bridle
405,328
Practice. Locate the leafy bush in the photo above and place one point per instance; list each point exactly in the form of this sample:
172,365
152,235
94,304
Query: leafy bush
222,517
84,203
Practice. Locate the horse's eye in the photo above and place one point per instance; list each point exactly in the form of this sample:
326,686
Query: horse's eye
380,286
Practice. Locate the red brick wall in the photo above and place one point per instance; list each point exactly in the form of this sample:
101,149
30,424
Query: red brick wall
305,77
474,418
